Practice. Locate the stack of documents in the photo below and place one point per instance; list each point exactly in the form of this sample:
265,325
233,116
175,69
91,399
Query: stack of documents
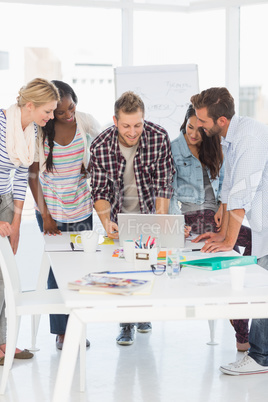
108,284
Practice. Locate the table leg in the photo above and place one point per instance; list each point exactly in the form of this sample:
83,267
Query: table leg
74,331
212,324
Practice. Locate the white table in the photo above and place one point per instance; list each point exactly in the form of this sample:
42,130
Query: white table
195,294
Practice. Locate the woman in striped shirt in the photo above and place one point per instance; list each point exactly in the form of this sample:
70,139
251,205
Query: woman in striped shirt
58,178
35,104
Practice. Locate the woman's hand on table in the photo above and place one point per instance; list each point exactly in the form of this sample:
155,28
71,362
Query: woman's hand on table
50,227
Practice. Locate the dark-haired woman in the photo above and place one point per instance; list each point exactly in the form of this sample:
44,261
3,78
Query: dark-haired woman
58,178
197,188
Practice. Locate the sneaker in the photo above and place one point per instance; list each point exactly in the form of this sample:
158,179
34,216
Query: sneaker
245,366
59,341
126,336
144,327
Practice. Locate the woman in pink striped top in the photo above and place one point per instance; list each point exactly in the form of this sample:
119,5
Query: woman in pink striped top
58,178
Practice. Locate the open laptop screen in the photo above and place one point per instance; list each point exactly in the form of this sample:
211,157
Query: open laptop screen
168,228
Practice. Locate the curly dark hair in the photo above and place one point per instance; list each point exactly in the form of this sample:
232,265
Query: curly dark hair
49,129
210,151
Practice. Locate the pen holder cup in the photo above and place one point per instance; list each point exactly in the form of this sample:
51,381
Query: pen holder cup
144,258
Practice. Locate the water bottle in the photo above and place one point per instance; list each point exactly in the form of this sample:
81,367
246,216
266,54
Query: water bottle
173,265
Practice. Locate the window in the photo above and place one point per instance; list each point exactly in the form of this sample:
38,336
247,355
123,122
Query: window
253,62
183,38
75,44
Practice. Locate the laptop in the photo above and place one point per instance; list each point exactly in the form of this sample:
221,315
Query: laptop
168,228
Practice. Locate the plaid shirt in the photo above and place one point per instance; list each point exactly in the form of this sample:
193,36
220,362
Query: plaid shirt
153,168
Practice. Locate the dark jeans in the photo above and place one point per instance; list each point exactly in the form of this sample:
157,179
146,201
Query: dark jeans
58,322
203,221
258,334
123,324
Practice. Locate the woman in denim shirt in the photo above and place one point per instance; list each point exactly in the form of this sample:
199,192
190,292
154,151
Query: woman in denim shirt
197,186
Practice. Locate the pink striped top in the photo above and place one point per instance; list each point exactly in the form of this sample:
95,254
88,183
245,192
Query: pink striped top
65,190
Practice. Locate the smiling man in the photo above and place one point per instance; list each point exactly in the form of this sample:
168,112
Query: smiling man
131,172
244,193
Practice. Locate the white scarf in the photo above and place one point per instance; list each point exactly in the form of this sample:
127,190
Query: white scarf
19,144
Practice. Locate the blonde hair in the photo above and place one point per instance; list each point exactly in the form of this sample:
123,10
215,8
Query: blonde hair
38,91
129,103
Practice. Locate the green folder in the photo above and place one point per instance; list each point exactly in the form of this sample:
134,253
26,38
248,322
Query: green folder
214,263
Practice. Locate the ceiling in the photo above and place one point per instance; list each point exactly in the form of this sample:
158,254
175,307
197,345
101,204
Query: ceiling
176,5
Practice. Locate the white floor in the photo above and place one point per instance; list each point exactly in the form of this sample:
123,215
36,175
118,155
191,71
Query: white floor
173,363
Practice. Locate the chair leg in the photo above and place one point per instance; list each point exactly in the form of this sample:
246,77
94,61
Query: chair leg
41,285
35,320
43,273
13,324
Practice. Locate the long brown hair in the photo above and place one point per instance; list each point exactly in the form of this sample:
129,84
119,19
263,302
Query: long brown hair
210,151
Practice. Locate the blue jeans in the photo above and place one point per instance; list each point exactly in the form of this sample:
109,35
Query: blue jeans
58,322
258,334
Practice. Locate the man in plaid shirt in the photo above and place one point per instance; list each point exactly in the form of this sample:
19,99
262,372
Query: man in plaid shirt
132,171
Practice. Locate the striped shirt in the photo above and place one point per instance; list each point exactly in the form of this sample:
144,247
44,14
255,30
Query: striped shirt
153,168
245,184
18,184
65,190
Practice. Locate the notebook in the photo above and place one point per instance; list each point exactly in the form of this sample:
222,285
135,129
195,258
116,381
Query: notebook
215,263
168,228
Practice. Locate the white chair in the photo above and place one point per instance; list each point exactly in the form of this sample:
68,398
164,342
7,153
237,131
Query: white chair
20,303
40,286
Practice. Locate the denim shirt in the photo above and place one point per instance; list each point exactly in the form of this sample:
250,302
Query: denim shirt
188,180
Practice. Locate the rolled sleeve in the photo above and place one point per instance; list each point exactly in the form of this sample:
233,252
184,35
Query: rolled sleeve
164,172
99,181
248,164
99,176
20,182
221,178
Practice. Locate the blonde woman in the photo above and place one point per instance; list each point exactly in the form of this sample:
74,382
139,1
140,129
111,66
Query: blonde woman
35,105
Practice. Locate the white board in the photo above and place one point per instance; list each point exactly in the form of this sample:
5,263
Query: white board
165,90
